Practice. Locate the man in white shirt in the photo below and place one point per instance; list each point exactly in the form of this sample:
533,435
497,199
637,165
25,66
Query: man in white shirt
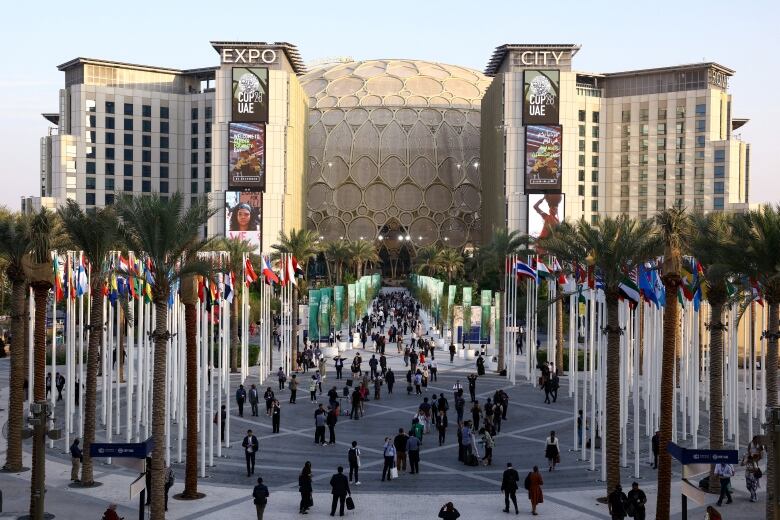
725,472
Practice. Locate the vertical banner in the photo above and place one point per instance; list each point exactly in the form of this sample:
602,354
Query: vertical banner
352,297
338,301
484,326
466,313
451,306
314,314
439,298
325,300
543,168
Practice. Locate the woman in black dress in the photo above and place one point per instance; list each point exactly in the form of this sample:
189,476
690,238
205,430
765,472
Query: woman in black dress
304,486
552,452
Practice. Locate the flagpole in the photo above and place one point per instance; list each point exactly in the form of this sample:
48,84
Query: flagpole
53,367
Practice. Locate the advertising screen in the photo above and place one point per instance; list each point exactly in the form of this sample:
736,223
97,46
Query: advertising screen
541,97
545,211
543,168
246,156
244,216
250,95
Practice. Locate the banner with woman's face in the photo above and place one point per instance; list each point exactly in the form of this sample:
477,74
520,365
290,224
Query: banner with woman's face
244,216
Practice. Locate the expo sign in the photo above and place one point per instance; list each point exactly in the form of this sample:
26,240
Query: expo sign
248,56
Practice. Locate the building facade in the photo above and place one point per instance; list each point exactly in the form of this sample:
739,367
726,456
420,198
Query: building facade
404,153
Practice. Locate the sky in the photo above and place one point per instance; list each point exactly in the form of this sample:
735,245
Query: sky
614,36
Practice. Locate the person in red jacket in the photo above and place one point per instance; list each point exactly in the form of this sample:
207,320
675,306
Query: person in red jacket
110,513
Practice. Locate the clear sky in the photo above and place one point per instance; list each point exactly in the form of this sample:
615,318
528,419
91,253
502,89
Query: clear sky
619,35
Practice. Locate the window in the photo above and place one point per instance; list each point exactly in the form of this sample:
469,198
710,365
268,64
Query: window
594,176
581,116
89,182
660,190
128,124
146,186
207,172
128,140
194,172
110,107
701,109
194,157
146,170
146,156
90,152
194,143
194,128
680,143
661,113
594,161
595,117
700,141
207,142
642,191
661,174
581,160
625,175
679,188
717,203
207,157
208,127
698,188
109,199
660,204
90,167
680,127
146,125
624,190
163,172
208,112
128,109
146,110
581,190
109,168
701,125
660,144
625,116
624,206
719,171
207,187
594,146
92,121
625,131
194,187
680,112
164,141
194,113
644,129
163,157
128,184
110,123
643,159
582,131
163,186
642,174
594,205
109,184
698,172
624,160
110,138
164,112
128,154
128,169
644,114
718,188
661,129
594,191
595,132
720,155
644,144
698,204
625,146
594,219
643,205
660,158
146,141
163,127
90,200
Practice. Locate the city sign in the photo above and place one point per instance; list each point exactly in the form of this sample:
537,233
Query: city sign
248,56
544,58
688,456
135,450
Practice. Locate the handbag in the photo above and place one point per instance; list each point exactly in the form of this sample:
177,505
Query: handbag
350,503
394,472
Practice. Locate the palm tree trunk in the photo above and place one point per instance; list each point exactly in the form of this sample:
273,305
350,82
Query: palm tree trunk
670,330
559,368
13,454
771,402
90,391
613,394
41,290
158,407
191,467
235,344
716,383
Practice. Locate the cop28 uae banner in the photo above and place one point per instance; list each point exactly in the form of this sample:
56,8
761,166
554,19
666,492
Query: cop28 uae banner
484,325
352,298
246,156
250,94
543,168
466,313
314,314
338,301
325,300
541,95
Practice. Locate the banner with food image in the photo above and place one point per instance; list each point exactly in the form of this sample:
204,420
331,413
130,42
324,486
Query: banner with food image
543,164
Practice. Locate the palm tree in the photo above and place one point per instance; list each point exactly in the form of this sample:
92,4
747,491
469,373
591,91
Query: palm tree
169,235
96,235
338,253
758,233
14,246
713,245
505,243
450,262
362,253
427,260
614,247
674,229
302,245
42,233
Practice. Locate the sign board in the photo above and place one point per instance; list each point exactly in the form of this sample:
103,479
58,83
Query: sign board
137,486
543,163
135,450
686,456
541,97
694,493
246,156
250,94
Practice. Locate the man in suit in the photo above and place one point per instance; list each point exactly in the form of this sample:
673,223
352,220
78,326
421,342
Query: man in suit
240,398
260,495
509,486
339,489
253,399
251,445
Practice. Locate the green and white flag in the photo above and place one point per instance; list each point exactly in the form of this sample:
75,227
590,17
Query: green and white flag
466,312
338,301
314,314
484,326
325,299
352,297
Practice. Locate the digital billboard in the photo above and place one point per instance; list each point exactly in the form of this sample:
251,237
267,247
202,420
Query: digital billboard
545,212
246,156
250,95
541,96
244,216
543,168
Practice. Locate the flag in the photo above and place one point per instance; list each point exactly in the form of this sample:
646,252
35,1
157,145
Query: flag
123,265
556,267
298,268
82,287
541,269
524,270
57,279
658,286
249,271
229,279
756,291
288,273
644,281
629,289
268,272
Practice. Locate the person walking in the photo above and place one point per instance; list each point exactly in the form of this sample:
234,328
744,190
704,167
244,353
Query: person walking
489,443
509,485
413,450
253,400
313,389
399,442
466,442
60,385
390,380
636,502
441,426
304,487
725,472
293,386
250,445
452,352
223,422
320,417
339,366
472,379
260,496
240,398
331,420
617,501
654,442
76,458
534,483
282,377
111,514
276,415
460,406
434,369
752,475
476,415
269,400
448,512
170,478
388,453
373,363
552,451
355,399
353,456
417,382
339,488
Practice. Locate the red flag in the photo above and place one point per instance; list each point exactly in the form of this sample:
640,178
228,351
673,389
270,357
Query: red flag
251,276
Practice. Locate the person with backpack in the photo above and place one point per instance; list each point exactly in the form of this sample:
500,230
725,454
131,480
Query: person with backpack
353,456
282,377
617,501
636,502
533,483
509,484
260,496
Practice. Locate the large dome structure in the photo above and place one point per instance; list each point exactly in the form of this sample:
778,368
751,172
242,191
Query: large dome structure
394,153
